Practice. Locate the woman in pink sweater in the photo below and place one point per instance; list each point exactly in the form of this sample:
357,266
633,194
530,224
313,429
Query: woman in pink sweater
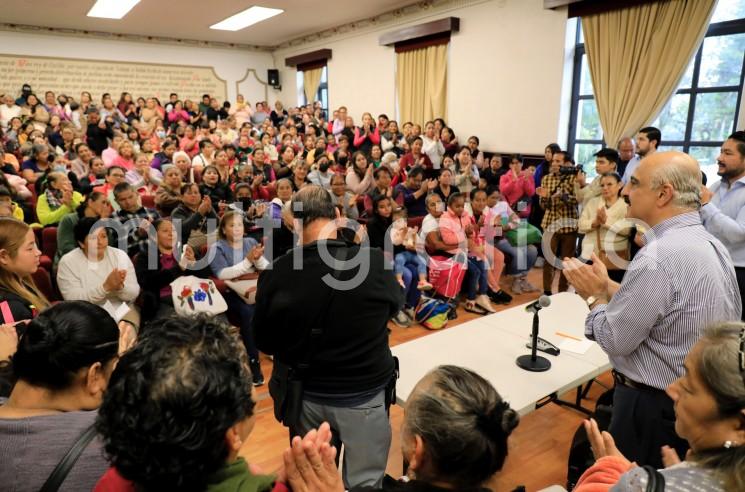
517,187
366,135
457,227
178,113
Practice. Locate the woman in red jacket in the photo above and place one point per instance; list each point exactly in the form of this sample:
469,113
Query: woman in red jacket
517,187
415,157
367,135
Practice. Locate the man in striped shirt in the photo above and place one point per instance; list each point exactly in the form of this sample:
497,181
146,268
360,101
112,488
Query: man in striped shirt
681,281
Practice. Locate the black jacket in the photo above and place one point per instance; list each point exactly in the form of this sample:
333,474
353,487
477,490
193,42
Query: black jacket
97,137
392,485
20,308
352,355
154,280
218,193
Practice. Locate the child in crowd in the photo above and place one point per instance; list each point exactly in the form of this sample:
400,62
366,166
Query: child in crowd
402,235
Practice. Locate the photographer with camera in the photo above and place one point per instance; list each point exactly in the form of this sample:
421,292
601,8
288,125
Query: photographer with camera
606,161
558,199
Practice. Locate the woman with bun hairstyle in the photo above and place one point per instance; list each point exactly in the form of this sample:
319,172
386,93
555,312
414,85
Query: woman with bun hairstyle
19,259
61,370
454,437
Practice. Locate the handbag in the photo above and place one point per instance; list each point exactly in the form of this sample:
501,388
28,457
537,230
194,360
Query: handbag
193,295
432,313
241,285
655,479
524,234
60,472
603,256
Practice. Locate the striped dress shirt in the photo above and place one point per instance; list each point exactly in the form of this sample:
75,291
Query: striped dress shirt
681,281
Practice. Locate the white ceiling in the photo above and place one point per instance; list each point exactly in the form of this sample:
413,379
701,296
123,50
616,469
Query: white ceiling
190,19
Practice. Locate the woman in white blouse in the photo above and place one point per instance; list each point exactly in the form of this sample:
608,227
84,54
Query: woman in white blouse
603,221
432,146
100,274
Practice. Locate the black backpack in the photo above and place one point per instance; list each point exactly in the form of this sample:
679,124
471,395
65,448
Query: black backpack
580,452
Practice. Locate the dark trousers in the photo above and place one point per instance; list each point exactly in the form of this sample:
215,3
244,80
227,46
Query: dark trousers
245,313
740,272
642,422
562,245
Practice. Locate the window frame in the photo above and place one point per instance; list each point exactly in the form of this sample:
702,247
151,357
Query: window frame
725,28
322,86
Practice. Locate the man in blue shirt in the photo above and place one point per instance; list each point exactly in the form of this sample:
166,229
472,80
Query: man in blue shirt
647,141
723,206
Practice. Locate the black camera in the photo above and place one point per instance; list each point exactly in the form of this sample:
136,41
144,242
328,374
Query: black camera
570,170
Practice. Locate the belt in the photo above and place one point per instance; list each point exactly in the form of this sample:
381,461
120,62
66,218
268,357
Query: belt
619,378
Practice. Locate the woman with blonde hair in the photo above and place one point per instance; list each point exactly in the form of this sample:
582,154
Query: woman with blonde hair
241,111
125,155
20,299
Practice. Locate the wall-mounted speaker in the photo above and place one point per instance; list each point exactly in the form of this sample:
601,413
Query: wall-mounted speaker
272,76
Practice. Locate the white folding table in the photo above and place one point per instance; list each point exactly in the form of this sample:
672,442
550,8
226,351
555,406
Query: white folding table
490,345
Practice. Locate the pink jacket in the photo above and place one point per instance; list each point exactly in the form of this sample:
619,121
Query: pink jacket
603,475
174,116
452,230
359,137
514,188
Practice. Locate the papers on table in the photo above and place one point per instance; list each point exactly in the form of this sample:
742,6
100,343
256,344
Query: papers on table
576,346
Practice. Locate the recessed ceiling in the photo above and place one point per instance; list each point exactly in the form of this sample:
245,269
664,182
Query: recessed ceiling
190,19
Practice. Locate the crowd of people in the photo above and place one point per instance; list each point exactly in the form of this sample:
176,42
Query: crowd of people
239,194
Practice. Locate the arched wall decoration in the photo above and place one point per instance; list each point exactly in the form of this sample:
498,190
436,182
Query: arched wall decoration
256,76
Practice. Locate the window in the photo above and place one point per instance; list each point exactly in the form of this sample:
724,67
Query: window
702,112
322,94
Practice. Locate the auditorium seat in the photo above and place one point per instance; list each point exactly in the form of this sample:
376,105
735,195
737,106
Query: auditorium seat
43,282
148,201
415,222
49,241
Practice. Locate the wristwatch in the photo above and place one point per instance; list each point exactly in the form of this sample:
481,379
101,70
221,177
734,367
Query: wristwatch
592,300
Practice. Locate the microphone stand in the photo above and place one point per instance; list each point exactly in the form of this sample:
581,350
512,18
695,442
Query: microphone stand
534,362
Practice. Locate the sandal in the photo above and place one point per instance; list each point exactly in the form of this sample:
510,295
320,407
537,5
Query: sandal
472,307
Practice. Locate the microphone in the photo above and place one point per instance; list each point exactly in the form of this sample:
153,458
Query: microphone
542,302
534,362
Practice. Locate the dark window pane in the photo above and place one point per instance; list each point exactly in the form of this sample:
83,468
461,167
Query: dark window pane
721,61
584,156
714,116
672,119
585,80
707,159
588,121
728,10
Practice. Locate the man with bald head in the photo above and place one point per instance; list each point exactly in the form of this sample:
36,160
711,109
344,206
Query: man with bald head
681,281
625,154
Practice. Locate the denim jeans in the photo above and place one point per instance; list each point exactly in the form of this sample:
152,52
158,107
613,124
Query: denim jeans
476,281
522,259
